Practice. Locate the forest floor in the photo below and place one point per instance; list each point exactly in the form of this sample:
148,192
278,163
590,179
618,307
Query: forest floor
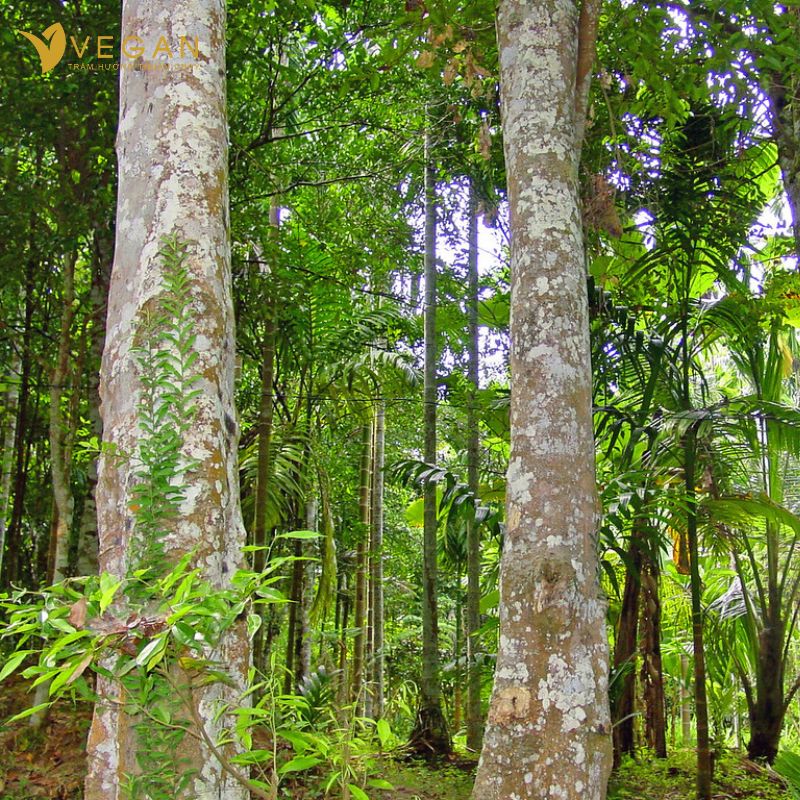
51,764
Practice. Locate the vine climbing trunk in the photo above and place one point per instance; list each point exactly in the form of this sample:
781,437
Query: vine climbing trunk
430,735
172,150
548,731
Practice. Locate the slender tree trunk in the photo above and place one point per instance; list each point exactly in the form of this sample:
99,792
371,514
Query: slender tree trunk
652,675
303,657
344,617
376,559
548,733
686,702
622,712
784,96
430,736
265,425
767,711
360,618
172,148
23,437
473,617
60,467
9,437
458,656
704,762
87,554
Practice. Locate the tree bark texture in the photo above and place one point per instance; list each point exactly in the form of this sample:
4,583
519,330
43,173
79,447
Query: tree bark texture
173,180
548,733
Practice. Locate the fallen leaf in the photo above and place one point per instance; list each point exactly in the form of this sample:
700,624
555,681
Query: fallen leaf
77,614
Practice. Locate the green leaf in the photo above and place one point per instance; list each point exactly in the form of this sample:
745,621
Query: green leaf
357,792
384,732
151,653
490,601
13,662
299,764
108,588
380,783
28,712
299,535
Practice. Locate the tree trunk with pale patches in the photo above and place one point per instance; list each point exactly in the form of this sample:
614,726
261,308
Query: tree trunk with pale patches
548,735
173,180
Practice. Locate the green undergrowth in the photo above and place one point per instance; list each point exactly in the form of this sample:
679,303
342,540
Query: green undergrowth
419,781
735,778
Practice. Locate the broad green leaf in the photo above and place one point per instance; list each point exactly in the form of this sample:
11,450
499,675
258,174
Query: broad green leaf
299,764
13,662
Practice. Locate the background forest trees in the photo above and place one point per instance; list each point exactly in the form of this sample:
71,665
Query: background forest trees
366,150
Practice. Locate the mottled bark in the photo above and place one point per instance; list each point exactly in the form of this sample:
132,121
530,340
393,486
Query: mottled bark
472,615
173,168
548,732
430,735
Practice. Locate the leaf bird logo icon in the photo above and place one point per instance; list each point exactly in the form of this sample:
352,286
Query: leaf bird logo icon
49,54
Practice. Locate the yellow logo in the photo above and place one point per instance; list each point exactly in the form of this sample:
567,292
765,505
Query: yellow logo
49,54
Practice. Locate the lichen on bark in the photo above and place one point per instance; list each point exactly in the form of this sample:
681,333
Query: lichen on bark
548,733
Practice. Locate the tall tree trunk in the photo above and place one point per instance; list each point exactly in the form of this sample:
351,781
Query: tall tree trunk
172,149
376,559
24,434
548,733
767,711
86,558
655,722
360,617
704,762
266,411
622,711
12,407
473,617
430,735
686,702
783,91
60,467
344,616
